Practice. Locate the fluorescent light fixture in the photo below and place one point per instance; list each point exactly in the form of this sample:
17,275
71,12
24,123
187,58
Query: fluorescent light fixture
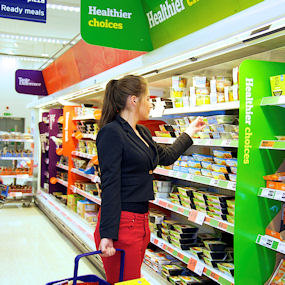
63,8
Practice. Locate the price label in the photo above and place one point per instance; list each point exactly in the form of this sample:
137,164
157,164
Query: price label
162,203
226,142
223,226
267,242
268,193
232,185
267,144
281,247
196,217
214,276
195,266
160,244
214,182
280,195
180,255
190,177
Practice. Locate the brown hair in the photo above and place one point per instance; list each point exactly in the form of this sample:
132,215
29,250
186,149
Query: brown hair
117,93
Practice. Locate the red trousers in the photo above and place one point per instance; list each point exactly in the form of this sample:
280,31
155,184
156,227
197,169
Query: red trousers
134,237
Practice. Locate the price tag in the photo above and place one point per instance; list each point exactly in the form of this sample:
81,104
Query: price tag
160,244
180,255
195,266
267,144
281,247
214,182
223,226
232,185
227,142
196,217
162,203
280,195
268,193
190,177
214,276
266,242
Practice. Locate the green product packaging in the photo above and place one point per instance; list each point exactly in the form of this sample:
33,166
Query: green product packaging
227,268
277,85
214,245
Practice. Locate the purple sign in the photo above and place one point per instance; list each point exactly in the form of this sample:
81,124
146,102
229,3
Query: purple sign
30,82
27,10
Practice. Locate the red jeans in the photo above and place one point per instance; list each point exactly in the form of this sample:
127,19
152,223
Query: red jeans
134,237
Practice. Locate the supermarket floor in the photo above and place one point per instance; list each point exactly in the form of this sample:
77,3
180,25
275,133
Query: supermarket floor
32,250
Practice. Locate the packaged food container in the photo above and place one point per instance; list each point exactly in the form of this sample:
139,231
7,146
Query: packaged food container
177,93
194,164
197,251
217,216
206,172
200,195
233,177
218,205
207,165
230,219
231,211
220,168
179,235
184,163
234,170
220,161
231,203
219,175
234,136
216,136
215,255
186,191
222,154
179,82
202,157
179,121
169,224
189,280
178,102
221,98
202,209
218,198
172,269
184,228
227,136
210,262
163,186
231,162
221,119
202,99
214,245
207,129
204,135
227,268
222,211
199,203
195,171
222,82
200,82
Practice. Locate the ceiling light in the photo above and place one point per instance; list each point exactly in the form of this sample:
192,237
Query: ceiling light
63,7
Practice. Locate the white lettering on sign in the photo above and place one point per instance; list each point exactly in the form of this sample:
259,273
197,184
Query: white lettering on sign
12,9
109,12
248,100
27,82
167,10
37,1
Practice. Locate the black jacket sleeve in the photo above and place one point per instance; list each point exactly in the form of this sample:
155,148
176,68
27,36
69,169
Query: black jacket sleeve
110,148
169,154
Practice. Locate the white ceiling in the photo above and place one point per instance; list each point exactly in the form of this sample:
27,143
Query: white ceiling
60,25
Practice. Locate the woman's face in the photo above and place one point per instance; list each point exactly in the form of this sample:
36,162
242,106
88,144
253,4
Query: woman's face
144,106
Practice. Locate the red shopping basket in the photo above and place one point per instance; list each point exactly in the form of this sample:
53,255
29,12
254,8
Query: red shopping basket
90,279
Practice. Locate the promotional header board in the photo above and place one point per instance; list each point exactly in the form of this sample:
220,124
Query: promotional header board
27,10
30,82
149,24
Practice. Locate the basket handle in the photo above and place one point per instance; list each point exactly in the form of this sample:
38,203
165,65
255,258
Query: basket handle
77,258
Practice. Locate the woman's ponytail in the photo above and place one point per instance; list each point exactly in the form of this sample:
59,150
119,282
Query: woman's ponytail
116,95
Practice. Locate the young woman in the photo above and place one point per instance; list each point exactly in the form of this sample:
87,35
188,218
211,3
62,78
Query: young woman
127,157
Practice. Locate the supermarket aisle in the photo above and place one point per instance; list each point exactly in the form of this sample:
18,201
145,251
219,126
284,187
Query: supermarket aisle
32,250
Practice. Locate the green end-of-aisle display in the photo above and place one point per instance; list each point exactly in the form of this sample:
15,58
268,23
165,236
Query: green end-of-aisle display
254,264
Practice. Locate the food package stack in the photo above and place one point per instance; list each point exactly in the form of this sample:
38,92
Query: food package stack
161,188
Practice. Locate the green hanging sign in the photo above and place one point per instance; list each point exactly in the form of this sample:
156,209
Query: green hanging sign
145,25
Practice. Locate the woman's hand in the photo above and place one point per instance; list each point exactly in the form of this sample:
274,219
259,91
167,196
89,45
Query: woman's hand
195,127
107,247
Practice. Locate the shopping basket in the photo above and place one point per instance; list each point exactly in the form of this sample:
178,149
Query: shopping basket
90,278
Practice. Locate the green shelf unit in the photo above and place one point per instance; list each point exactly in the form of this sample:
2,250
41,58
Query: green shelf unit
260,117
277,145
271,243
272,194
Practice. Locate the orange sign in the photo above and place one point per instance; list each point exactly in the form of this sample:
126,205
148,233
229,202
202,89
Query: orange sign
78,135
267,143
97,114
53,180
59,151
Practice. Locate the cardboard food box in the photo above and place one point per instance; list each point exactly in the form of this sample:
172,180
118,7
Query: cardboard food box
274,227
91,217
275,185
84,206
277,85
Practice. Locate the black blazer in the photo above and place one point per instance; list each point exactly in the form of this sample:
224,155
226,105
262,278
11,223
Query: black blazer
126,165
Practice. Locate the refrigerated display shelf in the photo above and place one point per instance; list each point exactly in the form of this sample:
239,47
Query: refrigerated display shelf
85,233
215,223
225,184
272,194
82,118
62,182
87,136
15,158
272,144
93,178
82,154
273,101
87,195
24,176
193,263
16,140
62,166
201,142
271,243
198,109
